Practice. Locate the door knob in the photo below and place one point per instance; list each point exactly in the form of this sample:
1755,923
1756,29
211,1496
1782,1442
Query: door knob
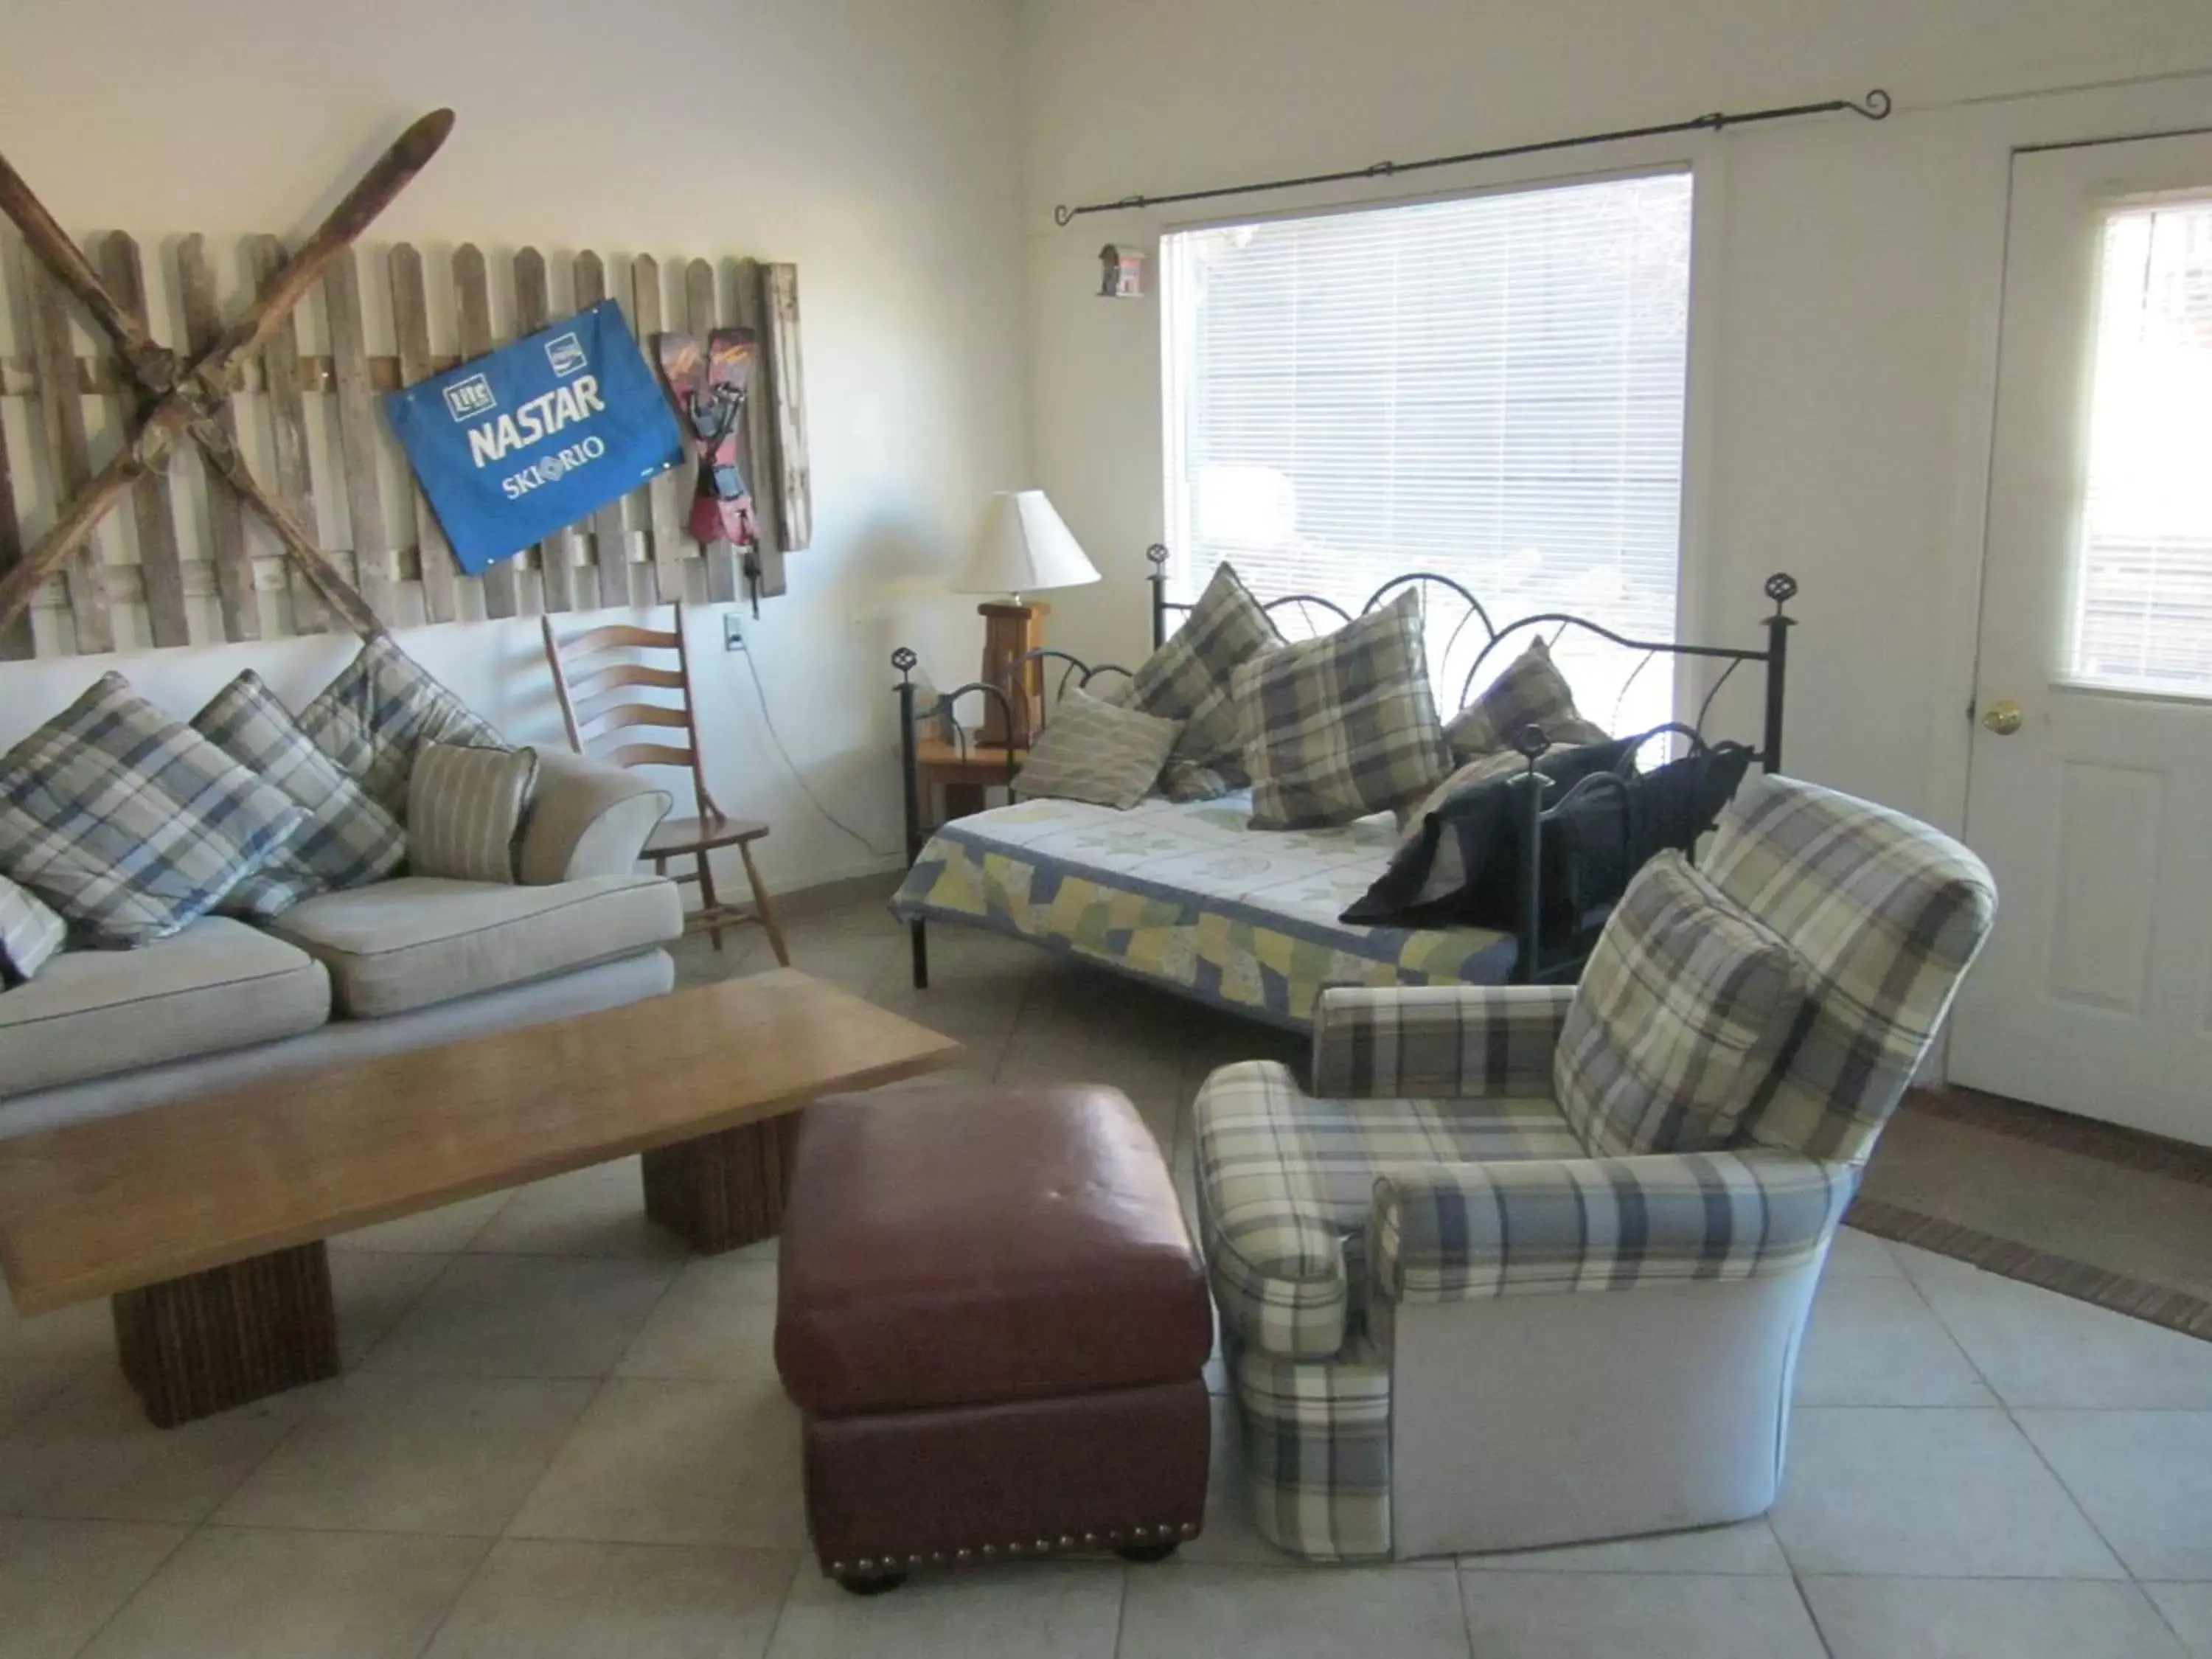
2003,717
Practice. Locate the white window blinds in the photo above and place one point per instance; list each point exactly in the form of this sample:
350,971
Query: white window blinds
1490,388
2142,616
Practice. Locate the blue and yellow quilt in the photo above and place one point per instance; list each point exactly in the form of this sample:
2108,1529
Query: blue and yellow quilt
1186,896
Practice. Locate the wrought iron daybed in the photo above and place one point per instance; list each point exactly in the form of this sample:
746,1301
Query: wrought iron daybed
1186,896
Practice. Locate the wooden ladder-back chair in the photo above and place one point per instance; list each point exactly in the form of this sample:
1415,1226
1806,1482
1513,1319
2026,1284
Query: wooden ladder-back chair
599,681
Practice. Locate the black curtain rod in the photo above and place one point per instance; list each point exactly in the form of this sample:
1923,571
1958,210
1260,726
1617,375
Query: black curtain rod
1875,108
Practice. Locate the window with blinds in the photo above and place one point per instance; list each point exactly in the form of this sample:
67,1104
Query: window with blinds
2142,591
1490,388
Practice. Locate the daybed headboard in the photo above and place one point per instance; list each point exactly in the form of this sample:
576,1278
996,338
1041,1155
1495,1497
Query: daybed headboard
1780,587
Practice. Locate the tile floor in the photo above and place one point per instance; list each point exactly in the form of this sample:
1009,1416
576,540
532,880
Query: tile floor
558,1436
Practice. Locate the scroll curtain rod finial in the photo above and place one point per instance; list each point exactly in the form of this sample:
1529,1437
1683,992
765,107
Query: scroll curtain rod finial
1876,107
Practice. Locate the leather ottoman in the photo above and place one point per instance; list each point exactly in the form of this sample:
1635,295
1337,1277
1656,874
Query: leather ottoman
990,1311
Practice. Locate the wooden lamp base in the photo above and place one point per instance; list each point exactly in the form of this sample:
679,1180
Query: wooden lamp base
1011,629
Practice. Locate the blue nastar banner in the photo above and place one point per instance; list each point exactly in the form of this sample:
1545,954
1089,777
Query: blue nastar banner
514,446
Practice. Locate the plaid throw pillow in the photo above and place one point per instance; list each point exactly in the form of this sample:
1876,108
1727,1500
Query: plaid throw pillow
1092,751
348,839
465,810
381,708
1530,692
29,935
1341,726
131,824
1190,679
1685,1007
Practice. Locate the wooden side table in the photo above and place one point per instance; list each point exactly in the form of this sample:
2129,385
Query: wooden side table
962,772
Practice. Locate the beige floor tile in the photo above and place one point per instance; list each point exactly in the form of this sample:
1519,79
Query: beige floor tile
1748,1547
91,1452
2145,1479
1922,1265
1873,1342
537,1600
1546,1615
1066,1611
60,1581
374,1290
78,1335
1291,1613
657,1462
717,1323
978,1012
1228,1537
430,1232
520,1315
1979,1617
403,1454
855,959
1940,1493
2040,1349
599,1210
2188,1609
1152,1081
1855,1254
28,1385
246,1595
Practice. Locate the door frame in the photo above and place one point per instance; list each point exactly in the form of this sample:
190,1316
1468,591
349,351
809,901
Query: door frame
1992,136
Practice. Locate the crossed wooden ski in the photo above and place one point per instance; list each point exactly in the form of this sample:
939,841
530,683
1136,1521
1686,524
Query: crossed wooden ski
178,401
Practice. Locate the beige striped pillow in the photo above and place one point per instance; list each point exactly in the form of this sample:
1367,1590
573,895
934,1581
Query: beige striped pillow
465,810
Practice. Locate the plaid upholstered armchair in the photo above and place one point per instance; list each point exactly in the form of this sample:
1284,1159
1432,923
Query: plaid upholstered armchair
1531,1264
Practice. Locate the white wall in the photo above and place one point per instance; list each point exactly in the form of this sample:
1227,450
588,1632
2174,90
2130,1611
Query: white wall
1849,274
871,142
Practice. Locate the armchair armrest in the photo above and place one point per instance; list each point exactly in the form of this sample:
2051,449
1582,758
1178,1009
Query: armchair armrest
586,819
1458,1041
1467,1231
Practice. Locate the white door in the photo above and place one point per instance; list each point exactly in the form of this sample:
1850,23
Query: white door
2091,790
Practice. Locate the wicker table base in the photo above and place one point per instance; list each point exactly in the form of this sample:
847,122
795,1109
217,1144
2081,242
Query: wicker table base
199,1344
722,1192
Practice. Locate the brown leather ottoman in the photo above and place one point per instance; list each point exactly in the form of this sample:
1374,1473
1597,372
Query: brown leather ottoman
991,1312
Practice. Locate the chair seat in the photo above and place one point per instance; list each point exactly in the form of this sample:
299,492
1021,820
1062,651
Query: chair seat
1286,1181
697,834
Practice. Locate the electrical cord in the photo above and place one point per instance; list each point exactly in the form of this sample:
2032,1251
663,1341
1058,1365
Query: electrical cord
767,720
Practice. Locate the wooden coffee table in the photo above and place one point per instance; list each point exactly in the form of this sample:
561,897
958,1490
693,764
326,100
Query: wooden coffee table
205,1221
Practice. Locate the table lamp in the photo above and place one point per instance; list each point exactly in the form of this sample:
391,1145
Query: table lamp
1023,547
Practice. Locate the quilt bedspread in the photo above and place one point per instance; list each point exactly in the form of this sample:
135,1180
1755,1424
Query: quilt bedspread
1186,896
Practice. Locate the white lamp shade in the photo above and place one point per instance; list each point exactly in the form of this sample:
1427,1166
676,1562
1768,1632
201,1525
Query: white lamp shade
1024,547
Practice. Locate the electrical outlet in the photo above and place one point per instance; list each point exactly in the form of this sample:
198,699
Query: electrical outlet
734,631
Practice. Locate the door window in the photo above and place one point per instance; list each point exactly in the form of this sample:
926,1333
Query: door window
2142,603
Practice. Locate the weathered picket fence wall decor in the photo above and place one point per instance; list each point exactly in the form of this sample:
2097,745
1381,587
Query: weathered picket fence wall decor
185,565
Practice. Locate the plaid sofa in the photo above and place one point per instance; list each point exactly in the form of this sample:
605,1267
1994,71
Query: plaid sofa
1431,1166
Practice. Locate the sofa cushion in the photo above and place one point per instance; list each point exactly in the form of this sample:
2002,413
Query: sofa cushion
1682,1011
347,838
1341,726
1095,751
218,985
420,940
464,810
382,706
1530,692
1285,1183
1188,679
129,823
30,934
